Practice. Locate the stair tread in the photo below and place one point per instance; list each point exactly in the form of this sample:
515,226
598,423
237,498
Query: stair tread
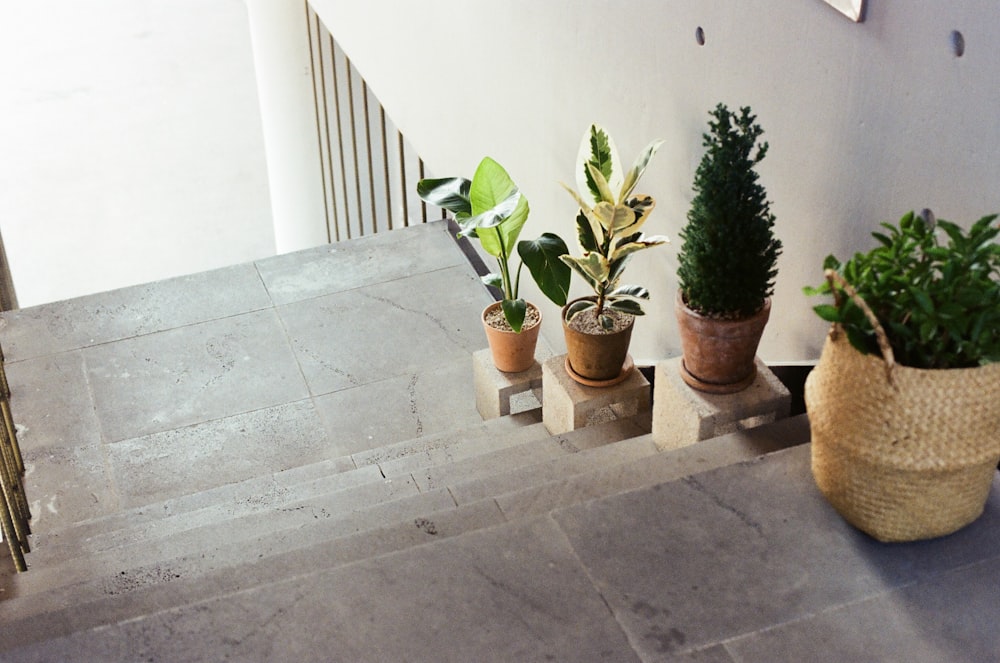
259,492
426,512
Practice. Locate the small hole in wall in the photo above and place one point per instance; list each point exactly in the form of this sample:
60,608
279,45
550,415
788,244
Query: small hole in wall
699,36
957,43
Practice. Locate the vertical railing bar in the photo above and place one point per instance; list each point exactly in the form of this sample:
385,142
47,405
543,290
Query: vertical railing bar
340,139
329,138
325,116
354,144
402,178
371,164
385,166
8,295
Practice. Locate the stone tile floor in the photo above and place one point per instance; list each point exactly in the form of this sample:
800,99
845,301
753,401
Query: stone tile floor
166,390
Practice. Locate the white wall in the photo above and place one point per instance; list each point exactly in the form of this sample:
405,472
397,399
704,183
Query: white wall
865,121
130,143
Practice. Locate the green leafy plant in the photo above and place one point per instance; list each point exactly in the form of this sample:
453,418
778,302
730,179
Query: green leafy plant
490,207
938,303
608,226
728,260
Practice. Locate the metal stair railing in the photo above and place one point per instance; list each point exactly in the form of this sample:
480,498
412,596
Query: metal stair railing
370,171
14,511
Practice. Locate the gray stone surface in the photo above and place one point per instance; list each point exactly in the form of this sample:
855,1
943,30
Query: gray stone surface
515,594
398,408
133,311
65,485
394,328
186,375
368,260
68,612
52,393
197,457
745,548
951,617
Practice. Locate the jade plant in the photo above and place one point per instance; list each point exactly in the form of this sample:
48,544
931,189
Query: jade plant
728,260
608,226
491,208
938,302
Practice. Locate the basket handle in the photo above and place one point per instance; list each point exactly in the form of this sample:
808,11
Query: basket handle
880,335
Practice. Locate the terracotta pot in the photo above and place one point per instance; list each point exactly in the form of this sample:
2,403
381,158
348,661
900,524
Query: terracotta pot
512,352
596,357
719,354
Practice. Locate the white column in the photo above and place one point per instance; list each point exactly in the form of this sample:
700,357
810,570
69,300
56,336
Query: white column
278,32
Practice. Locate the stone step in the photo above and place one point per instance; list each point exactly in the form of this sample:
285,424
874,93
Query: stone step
609,479
298,506
267,491
236,566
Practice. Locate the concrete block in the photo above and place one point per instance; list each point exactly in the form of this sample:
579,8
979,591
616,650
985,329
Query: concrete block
683,416
569,405
496,390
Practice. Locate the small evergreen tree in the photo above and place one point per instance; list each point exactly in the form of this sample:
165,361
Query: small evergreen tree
727,262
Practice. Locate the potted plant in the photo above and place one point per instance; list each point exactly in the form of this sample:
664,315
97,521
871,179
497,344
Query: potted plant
598,328
728,260
903,403
491,208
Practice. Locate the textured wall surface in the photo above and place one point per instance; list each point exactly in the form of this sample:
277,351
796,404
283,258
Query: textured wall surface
131,143
865,121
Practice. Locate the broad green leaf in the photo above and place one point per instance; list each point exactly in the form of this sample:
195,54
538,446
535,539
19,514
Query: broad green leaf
923,301
496,202
642,206
810,291
514,310
491,185
589,267
828,312
450,193
579,307
631,291
542,256
613,217
616,269
494,280
585,233
632,247
597,147
638,168
592,263
601,185
629,306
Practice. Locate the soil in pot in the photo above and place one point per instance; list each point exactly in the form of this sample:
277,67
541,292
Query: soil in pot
597,354
512,352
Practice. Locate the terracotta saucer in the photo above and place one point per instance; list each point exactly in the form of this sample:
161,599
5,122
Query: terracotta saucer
712,388
627,368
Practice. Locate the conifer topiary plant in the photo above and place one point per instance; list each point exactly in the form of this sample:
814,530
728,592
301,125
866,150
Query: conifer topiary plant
728,260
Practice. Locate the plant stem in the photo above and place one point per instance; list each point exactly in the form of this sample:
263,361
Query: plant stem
504,271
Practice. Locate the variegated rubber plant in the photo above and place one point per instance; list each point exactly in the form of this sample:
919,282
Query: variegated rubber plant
608,228
491,208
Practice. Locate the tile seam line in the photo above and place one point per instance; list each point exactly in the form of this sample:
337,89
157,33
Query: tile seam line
550,516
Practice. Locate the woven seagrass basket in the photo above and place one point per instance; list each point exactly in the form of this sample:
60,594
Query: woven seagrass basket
902,453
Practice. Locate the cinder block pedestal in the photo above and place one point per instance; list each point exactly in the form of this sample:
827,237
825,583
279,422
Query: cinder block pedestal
683,416
569,405
495,389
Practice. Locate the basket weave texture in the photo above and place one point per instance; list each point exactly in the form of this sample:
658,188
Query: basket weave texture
907,459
